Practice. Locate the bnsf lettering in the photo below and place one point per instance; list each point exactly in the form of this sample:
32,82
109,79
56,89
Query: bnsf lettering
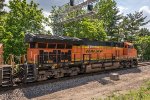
93,51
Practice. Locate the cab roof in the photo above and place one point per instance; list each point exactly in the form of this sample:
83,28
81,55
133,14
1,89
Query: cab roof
128,43
51,38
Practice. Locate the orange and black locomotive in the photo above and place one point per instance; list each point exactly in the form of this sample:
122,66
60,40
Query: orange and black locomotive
57,56
50,56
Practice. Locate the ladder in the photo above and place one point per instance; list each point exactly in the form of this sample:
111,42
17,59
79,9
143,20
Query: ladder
6,78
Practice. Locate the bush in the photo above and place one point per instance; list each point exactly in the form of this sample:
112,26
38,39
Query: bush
142,94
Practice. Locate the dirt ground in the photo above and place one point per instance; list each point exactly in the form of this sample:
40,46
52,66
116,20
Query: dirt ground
129,80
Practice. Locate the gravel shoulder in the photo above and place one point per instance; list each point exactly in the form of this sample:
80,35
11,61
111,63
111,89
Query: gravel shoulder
84,88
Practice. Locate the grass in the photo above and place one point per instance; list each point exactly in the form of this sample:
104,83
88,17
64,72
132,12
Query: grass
141,94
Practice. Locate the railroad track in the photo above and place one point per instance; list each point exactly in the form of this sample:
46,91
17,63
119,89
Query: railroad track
21,85
143,64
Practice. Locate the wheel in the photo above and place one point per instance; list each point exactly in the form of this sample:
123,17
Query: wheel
74,71
58,74
135,63
128,64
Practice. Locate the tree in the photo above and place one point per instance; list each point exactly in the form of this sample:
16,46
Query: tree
92,29
2,7
131,24
143,46
83,28
2,30
144,32
26,17
54,23
23,17
2,17
107,17
58,19
109,13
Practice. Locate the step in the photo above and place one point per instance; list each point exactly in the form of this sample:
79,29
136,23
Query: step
30,67
30,71
30,79
6,82
6,71
6,74
30,75
6,85
6,78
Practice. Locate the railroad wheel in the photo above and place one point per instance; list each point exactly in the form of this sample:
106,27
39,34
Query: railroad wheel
58,74
74,71
103,66
124,64
28,73
131,63
22,73
128,64
135,63
121,64
83,69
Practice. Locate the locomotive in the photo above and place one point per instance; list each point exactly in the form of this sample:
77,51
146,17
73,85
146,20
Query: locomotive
50,56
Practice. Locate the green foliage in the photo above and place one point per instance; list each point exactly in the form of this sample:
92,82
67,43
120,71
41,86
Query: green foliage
2,17
1,7
1,32
23,17
144,32
131,24
57,24
102,24
109,13
142,94
92,29
143,46
26,17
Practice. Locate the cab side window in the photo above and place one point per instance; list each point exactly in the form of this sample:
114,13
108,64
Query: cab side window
60,46
42,45
68,46
52,46
126,46
130,46
32,45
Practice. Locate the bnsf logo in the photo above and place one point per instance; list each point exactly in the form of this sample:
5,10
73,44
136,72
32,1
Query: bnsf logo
93,51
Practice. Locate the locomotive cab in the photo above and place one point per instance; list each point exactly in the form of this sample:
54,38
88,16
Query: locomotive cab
46,53
50,50
129,50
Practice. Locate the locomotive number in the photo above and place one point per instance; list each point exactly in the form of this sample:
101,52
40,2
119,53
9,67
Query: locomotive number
93,51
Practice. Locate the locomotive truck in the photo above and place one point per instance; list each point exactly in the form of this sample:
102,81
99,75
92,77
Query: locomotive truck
50,56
